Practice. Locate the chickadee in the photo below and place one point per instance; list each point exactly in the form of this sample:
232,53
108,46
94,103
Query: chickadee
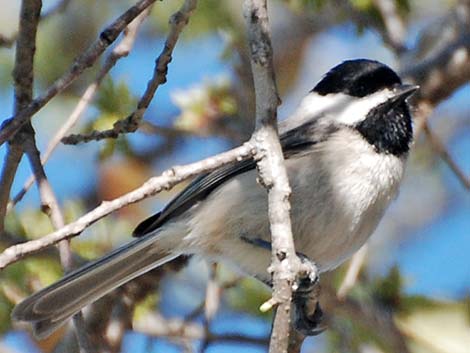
345,149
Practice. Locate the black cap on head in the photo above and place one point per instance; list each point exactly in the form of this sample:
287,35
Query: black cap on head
357,78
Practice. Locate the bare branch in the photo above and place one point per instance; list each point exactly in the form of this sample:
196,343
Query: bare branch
354,268
153,186
285,267
440,75
446,157
12,160
395,29
84,61
447,65
50,206
131,123
23,76
121,50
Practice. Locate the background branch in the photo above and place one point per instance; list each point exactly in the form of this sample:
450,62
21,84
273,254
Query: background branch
130,124
446,157
23,77
84,61
120,51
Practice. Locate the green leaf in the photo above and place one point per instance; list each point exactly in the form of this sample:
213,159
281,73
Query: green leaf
115,99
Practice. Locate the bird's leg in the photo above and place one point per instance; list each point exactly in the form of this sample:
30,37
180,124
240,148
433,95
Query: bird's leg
306,314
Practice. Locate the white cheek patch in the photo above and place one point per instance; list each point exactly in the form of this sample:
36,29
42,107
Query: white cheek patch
340,107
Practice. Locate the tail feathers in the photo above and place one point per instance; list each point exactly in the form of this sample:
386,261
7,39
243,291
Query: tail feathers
49,308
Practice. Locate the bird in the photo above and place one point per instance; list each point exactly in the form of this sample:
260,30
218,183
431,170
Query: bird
345,150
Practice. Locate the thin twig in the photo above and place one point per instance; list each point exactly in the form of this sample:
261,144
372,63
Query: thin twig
395,29
12,160
211,304
131,123
50,206
153,186
84,61
441,149
354,268
121,50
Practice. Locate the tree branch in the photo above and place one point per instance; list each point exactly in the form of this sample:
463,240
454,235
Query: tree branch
121,50
153,186
130,124
395,31
12,160
441,149
444,65
354,268
285,267
23,76
442,73
84,61
50,206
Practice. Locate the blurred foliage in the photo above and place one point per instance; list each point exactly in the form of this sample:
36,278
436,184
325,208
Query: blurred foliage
247,296
444,328
210,15
114,102
145,306
203,106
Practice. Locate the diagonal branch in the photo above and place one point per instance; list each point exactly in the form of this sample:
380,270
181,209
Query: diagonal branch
446,156
50,206
84,61
131,123
153,186
121,50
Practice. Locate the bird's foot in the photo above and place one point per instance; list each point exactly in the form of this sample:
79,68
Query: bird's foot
308,325
308,316
308,278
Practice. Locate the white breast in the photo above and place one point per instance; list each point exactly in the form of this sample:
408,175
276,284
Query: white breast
339,194
350,187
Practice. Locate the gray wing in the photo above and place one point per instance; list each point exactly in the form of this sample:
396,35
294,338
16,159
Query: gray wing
294,142
196,191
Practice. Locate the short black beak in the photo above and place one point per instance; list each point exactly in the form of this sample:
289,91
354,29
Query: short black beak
402,92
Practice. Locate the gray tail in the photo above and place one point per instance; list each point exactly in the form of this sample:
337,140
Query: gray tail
49,308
